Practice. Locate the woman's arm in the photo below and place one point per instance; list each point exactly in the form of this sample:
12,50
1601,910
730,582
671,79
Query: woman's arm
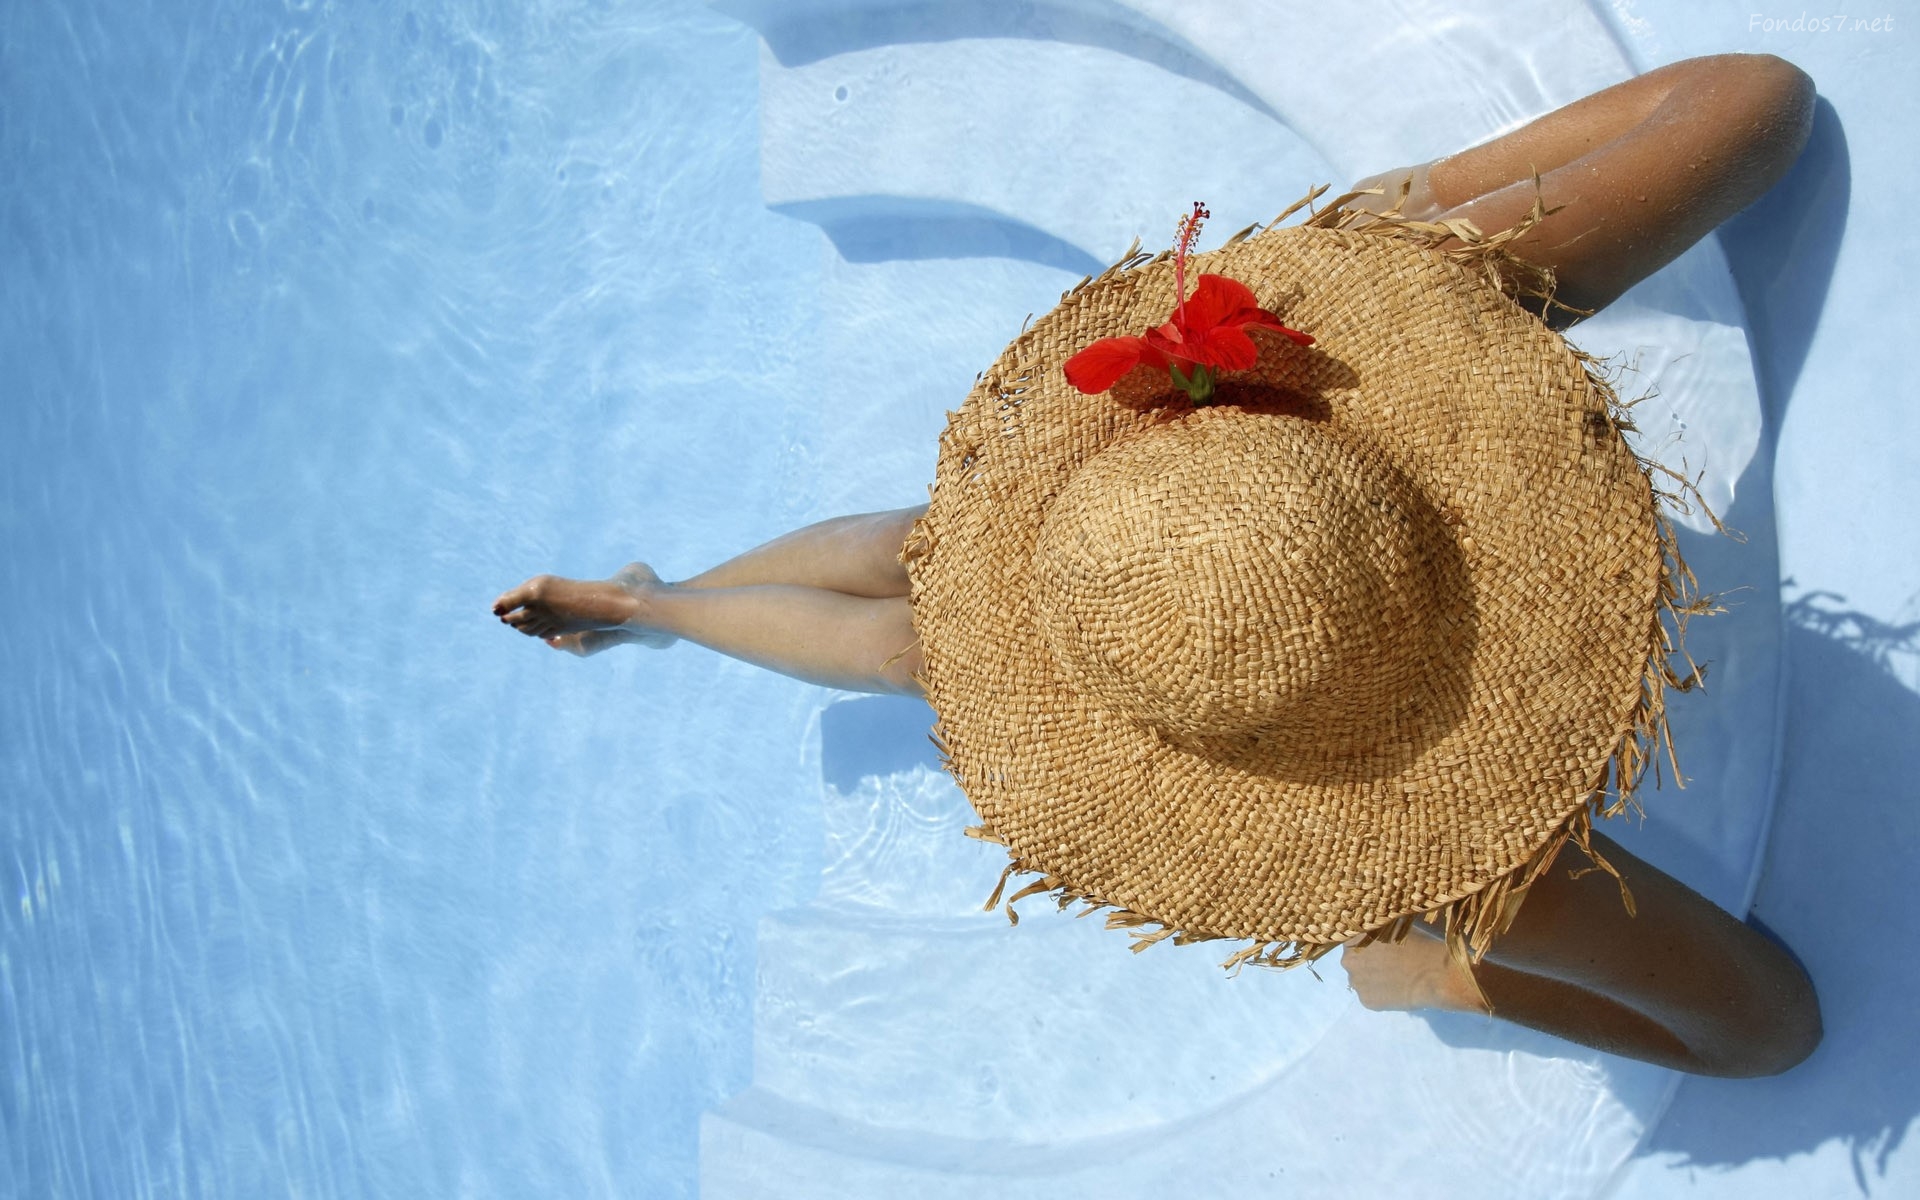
1638,172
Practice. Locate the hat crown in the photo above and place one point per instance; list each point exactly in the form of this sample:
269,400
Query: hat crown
1242,575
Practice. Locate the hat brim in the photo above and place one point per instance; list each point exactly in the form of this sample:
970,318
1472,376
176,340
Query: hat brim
1513,442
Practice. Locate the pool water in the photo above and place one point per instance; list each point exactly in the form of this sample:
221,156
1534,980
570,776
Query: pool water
325,322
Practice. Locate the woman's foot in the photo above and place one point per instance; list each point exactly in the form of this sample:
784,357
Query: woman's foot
583,616
593,641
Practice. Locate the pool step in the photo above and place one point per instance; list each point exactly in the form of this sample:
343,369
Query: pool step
893,999
1055,1030
905,1043
1013,118
1334,1115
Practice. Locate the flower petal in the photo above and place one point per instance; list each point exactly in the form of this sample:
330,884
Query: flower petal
1228,348
1214,299
1260,318
1101,365
1170,345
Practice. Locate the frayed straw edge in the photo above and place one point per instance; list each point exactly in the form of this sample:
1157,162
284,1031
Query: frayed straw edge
1488,252
1471,922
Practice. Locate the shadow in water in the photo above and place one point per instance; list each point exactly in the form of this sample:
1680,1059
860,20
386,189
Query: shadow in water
874,735
866,229
804,31
1845,837
1845,829
1782,249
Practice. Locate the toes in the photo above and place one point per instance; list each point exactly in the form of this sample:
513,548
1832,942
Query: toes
510,600
526,622
522,596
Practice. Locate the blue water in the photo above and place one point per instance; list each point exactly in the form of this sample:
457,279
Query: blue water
323,323
322,326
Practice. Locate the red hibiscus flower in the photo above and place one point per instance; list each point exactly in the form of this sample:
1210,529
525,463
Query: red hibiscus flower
1207,333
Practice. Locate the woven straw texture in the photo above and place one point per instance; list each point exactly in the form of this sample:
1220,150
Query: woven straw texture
1358,642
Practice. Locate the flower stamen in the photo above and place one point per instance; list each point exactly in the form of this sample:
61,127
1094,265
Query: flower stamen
1185,234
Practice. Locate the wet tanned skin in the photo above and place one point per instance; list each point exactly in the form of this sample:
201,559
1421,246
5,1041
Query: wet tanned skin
1639,172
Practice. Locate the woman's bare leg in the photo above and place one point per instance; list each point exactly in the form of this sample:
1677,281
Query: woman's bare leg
1682,983
857,555
858,643
1638,172
826,604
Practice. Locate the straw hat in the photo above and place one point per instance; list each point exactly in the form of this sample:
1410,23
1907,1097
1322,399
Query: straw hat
1361,642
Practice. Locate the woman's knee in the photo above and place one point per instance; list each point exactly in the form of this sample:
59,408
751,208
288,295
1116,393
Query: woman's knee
1785,1026
1773,100
1778,84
